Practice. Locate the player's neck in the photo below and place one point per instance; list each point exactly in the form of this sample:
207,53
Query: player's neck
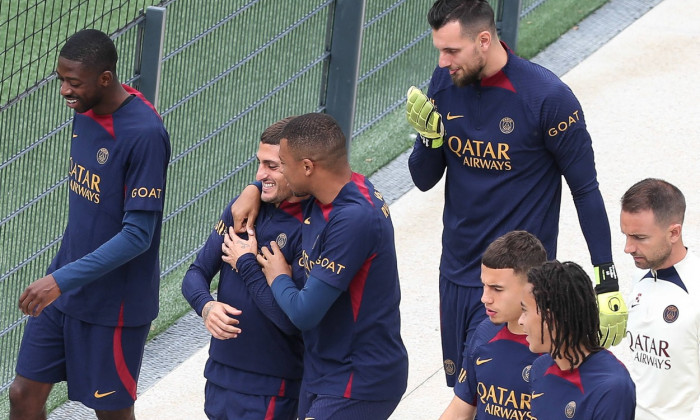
565,364
498,58
329,183
112,100
515,328
678,253
293,199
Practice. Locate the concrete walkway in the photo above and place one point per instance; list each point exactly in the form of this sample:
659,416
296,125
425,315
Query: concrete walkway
638,95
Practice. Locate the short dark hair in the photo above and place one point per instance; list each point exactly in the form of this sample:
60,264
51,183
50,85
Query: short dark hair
519,250
315,136
93,49
567,303
473,15
665,200
273,134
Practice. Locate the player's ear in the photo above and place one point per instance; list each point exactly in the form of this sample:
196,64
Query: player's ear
105,78
309,166
483,39
674,232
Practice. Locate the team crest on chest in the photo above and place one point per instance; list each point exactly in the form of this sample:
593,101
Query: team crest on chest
570,410
281,240
507,125
671,313
526,373
102,156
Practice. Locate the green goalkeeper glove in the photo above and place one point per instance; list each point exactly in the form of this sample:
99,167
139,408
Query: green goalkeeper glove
422,115
611,307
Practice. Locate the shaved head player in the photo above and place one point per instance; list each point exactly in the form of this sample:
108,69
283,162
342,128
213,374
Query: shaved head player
91,313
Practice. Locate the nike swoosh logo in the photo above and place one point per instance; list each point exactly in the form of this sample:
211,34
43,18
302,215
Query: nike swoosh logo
307,221
98,395
75,135
537,395
452,117
479,361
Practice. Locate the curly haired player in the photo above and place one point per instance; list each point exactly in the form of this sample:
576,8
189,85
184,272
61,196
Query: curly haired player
576,377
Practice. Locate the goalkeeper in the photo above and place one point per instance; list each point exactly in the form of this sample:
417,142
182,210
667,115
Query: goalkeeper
505,130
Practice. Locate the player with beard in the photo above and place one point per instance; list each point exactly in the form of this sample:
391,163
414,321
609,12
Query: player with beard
664,321
355,363
505,130
255,357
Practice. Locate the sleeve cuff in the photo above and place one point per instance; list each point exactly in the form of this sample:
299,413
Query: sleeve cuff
245,262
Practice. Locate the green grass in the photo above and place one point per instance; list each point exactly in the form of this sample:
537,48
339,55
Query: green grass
381,143
549,21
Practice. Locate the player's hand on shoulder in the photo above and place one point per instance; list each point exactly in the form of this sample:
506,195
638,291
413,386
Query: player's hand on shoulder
245,210
38,295
219,319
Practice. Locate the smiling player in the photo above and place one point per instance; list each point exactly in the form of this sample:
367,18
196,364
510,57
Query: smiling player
91,313
255,356
355,363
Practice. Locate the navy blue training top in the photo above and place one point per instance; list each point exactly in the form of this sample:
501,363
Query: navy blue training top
118,163
509,139
600,388
495,375
269,344
356,351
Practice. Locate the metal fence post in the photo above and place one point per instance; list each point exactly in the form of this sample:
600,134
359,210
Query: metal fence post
152,53
344,63
509,19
